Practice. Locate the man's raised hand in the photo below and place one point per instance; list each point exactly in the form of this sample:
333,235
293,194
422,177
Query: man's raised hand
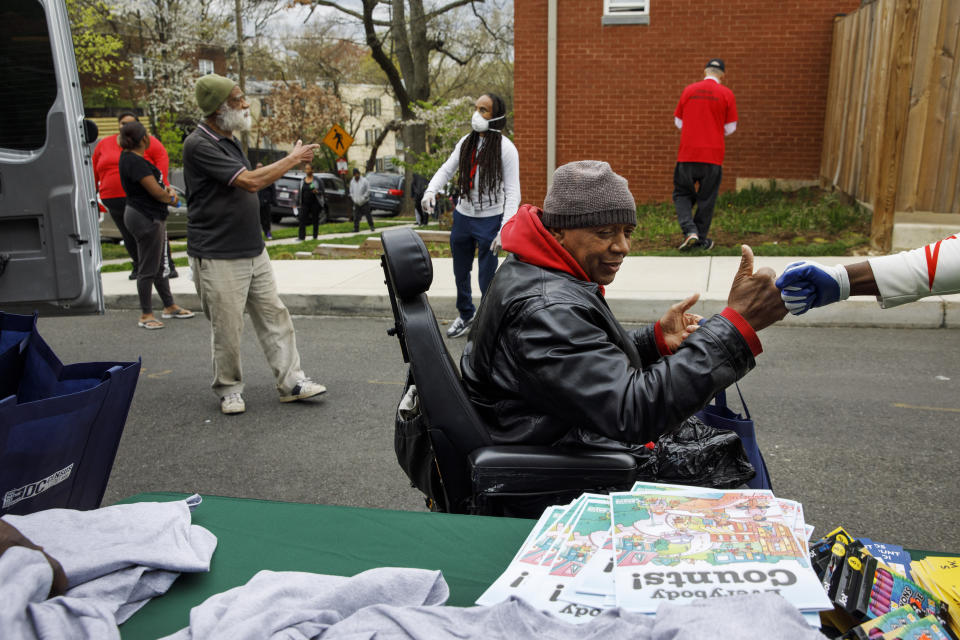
303,152
754,295
677,325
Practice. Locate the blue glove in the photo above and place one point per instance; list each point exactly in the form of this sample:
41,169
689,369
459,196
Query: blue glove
804,285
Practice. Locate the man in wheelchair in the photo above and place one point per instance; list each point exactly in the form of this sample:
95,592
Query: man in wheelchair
547,363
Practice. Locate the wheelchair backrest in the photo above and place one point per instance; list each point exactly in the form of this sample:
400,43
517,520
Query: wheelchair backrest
455,427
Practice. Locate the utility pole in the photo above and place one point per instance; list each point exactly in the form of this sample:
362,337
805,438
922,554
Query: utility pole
241,72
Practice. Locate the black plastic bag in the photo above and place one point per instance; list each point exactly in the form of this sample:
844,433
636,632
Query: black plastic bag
694,454
698,455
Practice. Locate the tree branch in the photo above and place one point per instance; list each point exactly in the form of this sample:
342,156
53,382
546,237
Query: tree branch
376,50
393,125
450,5
437,46
483,21
336,5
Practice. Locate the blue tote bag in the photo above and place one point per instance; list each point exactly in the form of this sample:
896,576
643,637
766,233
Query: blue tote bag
60,431
15,332
720,416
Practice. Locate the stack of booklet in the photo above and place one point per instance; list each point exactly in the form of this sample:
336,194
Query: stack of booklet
662,543
940,575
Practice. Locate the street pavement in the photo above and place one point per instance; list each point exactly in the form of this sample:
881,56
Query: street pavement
858,424
855,406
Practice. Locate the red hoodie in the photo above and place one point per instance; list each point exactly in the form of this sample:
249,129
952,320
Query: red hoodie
525,236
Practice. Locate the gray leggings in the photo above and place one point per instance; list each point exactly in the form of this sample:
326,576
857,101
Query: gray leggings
152,270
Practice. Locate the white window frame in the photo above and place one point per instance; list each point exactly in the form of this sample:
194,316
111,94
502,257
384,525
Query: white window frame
626,12
139,65
372,106
370,136
205,66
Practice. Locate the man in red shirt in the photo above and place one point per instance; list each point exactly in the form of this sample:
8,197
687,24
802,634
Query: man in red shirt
706,113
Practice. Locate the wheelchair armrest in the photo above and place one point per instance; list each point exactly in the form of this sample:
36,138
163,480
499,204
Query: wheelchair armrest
524,470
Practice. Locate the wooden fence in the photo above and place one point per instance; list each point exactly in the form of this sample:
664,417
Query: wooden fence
892,128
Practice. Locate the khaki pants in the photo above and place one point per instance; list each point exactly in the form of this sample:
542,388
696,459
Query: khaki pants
227,288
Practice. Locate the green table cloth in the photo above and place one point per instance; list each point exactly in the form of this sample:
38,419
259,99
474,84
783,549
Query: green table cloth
472,551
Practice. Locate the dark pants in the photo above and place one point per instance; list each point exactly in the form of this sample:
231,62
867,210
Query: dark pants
358,212
308,216
116,207
696,183
265,218
467,236
151,240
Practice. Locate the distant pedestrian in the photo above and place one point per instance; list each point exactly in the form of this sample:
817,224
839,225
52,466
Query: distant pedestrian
232,270
488,187
311,201
267,197
706,113
418,187
360,194
145,215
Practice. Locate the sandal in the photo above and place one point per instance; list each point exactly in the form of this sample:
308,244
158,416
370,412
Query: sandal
181,313
150,324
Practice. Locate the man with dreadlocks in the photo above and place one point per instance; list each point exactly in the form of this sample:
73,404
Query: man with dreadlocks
488,187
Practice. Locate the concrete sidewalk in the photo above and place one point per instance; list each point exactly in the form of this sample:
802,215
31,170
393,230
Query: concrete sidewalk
643,290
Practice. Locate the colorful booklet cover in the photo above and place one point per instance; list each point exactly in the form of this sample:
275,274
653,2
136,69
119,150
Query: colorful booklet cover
509,583
596,578
671,547
892,555
580,541
528,576
923,629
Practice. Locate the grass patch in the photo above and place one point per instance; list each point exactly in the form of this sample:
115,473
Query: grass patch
288,251
116,251
807,222
111,251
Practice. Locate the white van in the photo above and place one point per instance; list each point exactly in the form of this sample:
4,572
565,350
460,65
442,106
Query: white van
49,239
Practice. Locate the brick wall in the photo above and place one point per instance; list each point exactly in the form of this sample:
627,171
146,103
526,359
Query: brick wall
617,87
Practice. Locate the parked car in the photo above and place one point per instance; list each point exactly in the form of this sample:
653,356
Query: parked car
386,192
176,221
339,206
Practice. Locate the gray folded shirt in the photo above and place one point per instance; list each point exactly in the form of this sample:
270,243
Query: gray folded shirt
407,603
115,559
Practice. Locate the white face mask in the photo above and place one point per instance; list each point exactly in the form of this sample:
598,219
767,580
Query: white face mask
481,124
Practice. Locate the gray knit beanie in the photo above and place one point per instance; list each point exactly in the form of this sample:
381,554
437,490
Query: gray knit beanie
588,193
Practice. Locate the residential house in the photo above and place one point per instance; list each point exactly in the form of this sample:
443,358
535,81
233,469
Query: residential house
370,108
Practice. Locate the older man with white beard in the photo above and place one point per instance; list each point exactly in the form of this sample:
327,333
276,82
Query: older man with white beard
231,268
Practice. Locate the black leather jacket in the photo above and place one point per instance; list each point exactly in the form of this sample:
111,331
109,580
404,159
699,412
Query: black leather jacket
546,362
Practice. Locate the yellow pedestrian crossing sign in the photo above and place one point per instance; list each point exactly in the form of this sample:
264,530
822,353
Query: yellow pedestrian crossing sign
338,139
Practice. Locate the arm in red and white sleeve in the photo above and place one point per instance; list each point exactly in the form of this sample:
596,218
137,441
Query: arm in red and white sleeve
910,275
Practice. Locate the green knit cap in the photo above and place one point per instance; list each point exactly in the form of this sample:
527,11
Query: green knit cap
212,90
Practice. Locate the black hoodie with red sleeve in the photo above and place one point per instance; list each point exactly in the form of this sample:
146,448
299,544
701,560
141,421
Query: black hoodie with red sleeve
546,361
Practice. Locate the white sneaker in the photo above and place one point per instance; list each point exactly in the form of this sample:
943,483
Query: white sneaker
459,327
232,403
306,388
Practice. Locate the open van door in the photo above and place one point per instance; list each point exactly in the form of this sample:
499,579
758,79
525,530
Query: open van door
49,240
